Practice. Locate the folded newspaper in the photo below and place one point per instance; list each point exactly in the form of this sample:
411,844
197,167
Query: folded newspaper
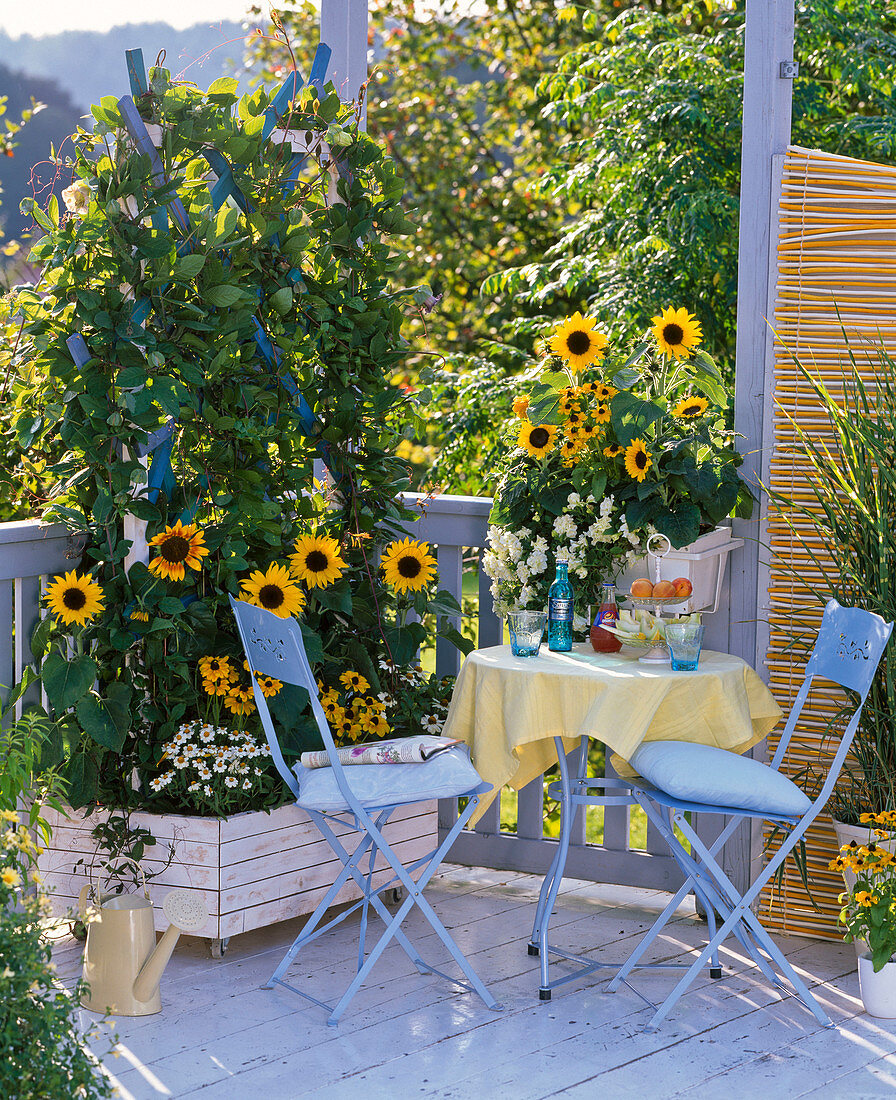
403,750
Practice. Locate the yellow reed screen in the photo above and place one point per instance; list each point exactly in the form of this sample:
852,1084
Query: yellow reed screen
836,273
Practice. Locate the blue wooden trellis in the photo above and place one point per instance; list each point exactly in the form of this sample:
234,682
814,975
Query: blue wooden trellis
160,443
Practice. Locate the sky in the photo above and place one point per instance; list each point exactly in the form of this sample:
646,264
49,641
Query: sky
53,16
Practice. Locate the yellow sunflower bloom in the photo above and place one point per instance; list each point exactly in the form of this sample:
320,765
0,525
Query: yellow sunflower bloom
521,406
689,408
217,668
139,616
179,546
74,598
578,343
275,590
637,460
537,439
354,681
317,561
677,333
408,565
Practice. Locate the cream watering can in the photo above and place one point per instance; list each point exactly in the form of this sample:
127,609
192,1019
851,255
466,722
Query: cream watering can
122,963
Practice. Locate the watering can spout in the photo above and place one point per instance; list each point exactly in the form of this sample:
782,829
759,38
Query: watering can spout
187,913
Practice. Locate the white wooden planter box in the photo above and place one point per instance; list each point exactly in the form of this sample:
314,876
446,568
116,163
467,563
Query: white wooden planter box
703,562
252,869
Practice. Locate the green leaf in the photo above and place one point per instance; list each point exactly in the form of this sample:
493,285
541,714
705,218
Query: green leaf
98,720
223,296
681,524
189,266
171,605
40,638
65,682
282,300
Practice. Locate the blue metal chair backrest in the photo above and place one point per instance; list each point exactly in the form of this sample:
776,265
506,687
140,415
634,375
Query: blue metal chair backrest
274,647
847,651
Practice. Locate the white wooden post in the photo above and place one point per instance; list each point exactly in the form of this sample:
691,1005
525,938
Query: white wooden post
766,132
343,27
768,94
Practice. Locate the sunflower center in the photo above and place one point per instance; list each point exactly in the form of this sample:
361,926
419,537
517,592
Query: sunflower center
317,561
539,437
270,596
74,599
641,460
691,410
673,334
578,342
175,548
409,567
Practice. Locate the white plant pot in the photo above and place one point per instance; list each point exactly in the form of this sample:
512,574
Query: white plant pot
703,562
878,990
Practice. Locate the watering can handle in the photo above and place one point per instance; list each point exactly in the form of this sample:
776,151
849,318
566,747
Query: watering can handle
99,894
82,902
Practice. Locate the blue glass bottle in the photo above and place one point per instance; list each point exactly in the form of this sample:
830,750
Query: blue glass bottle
560,608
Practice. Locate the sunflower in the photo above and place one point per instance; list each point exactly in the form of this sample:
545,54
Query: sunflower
354,681
577,342
676,333
521,405
275,591
178,546
614,450
139,616
239,700
269,685
637,460
689,408
317,561
408,565
537,439
217,668
73,598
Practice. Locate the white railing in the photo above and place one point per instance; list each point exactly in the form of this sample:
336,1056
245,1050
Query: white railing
456,527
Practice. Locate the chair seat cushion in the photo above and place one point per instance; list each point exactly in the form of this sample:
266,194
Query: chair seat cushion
444,776
702,773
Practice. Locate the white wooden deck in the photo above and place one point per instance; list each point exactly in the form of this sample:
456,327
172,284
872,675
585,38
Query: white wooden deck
221,1037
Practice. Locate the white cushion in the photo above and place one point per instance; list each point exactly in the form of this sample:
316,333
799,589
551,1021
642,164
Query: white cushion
444,776
701,773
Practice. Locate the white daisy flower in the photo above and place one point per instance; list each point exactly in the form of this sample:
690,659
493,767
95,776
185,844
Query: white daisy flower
229,781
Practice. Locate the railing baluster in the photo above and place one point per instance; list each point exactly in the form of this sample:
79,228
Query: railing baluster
451,563
530,810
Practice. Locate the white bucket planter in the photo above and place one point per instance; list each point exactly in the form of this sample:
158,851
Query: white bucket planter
878,990
251,870
703,562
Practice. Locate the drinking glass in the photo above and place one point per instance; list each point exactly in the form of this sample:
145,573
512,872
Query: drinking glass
685,641
526,631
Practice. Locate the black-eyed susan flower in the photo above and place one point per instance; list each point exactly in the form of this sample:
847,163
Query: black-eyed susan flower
178,546
637,460
217,668
354,681
408,565
602,413
604,392
578,342
275,590
689,408
317,561
537,439
614,450
216,688
570,449
74,598
378,726
521,406
269,685
677,333
238,700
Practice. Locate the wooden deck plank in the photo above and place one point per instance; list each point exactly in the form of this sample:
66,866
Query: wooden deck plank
221,1036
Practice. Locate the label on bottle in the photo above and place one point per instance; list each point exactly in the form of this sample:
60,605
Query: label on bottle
607,615
560,609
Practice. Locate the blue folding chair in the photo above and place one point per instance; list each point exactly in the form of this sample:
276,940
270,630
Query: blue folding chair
679,779
362,797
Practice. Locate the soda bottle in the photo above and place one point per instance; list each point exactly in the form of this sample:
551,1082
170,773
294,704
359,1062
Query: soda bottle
560,606
602,640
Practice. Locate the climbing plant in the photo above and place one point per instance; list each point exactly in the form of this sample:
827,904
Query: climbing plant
214,318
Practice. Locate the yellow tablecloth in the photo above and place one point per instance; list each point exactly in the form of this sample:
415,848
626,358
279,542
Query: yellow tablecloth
508,709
